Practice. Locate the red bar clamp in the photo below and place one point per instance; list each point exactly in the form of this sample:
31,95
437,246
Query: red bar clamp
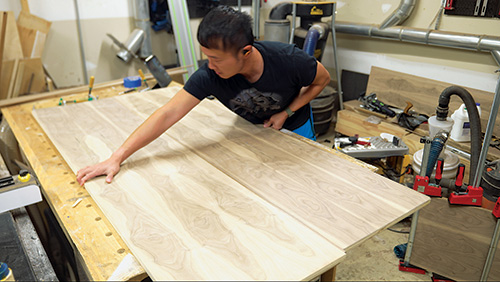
449,5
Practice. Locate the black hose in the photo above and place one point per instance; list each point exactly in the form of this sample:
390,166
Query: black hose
280,11
474,120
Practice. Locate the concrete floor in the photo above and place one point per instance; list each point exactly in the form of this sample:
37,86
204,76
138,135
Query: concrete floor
374,259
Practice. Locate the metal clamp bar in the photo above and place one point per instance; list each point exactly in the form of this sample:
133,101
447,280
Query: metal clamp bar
476,9
483,9
491,252
335,58
480,168
411,237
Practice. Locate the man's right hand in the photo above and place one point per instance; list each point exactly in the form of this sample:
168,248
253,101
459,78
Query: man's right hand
108,167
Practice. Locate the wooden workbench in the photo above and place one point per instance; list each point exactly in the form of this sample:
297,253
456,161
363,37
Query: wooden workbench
98,244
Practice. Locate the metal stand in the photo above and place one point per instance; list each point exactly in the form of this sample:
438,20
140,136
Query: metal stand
479,172
477,179
256,18
411,238
183,36
334,44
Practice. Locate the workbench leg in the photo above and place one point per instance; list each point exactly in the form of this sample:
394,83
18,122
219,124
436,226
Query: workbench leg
329,275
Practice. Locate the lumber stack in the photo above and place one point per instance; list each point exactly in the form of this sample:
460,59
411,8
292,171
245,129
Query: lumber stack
21,48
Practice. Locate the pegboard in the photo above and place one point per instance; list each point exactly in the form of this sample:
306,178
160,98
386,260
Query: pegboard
473,8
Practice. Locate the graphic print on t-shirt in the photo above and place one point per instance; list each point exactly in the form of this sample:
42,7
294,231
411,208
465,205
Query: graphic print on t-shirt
251,103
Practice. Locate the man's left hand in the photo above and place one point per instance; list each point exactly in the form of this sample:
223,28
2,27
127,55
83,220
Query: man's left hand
277,120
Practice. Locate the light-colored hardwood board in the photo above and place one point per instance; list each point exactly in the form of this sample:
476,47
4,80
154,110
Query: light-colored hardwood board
12,45
183,218
395,88
319,188
96,242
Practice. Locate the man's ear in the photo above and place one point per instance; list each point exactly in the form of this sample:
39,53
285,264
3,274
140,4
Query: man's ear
247,50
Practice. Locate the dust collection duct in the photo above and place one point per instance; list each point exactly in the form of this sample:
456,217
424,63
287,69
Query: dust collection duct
140,38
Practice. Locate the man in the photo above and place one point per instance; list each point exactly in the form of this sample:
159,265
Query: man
267,83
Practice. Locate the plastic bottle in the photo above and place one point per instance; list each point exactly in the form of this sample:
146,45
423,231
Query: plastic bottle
460,131
436,125
6,273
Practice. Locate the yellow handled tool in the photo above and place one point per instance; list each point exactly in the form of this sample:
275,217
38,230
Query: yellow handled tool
143,78
91,84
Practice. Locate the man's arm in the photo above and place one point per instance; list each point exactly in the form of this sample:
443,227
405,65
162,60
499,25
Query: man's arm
161,120
306,95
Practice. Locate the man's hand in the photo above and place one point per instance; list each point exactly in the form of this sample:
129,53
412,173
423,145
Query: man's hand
108,167
277,120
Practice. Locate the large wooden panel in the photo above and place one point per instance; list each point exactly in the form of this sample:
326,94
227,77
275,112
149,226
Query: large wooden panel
212,150
180,216
345,203
453,241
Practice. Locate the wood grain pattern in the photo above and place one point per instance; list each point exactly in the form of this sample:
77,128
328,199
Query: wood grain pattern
319,189
95,240
234,159
395,88
186,221
456,242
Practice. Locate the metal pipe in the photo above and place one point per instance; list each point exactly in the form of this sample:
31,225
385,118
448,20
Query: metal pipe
335,58
141,13
80,39
411,237
423,36
294,14
256,18
491,252
400,14
487,135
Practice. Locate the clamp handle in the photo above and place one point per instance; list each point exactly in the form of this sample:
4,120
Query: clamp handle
439,170
459,181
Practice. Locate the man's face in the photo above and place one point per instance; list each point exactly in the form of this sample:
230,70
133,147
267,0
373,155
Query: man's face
225,63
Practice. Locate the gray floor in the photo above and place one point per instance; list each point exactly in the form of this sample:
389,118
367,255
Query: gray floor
374,259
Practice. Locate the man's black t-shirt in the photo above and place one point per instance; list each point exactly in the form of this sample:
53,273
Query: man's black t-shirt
286,70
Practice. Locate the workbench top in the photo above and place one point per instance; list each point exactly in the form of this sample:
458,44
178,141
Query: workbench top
340,201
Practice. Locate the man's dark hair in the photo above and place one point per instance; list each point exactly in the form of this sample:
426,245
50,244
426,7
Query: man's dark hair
226,26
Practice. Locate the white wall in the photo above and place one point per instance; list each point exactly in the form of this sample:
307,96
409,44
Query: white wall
463,67
62,55
63,61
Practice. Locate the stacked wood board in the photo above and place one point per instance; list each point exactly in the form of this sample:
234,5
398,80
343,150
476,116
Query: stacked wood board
219,198
21,64
396,88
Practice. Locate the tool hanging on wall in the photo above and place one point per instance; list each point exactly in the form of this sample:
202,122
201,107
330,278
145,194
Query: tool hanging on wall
473,8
